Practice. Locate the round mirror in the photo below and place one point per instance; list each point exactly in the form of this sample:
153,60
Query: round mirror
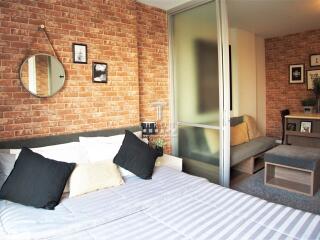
42,75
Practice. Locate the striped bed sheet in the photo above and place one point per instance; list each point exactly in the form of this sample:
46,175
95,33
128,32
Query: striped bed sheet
173,205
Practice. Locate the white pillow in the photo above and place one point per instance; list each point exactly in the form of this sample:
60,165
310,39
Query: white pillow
7,162
89,177
116,139
67,152
106,148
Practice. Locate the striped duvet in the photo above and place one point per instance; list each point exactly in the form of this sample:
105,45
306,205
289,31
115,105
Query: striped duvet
172,205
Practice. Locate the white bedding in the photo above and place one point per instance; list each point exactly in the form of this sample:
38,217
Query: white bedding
172,205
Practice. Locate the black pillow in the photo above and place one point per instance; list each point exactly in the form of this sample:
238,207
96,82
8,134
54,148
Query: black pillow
136,156
36,181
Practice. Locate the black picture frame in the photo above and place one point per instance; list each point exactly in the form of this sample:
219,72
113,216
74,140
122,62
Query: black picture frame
80,53
311,75
306,126
314,60
291,126
296,73
99,72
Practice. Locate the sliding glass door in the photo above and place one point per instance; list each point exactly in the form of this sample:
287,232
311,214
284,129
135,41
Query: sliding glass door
198,88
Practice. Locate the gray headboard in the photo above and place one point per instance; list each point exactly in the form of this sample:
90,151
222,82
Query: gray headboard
59,139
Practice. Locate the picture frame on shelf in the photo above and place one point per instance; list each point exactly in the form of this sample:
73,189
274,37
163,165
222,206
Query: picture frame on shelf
79,52
296,73
315,60
306,126
292,127
311,75
99,72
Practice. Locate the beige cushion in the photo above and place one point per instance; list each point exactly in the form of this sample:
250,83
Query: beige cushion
239,134
88,177
252,127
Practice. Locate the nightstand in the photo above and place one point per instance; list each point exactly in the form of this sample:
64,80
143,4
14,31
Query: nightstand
170,161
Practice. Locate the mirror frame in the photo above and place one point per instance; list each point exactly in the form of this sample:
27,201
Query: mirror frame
25,87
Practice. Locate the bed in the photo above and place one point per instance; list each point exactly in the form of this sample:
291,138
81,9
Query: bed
173,205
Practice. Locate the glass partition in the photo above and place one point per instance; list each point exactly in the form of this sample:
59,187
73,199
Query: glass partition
196,82
196,68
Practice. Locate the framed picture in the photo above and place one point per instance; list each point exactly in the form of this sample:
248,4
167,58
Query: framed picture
79,53
306,126
296,72
315,60
311,75
291,127
99,72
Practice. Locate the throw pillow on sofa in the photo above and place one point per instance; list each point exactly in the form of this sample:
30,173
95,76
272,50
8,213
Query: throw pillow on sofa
239,134
252,127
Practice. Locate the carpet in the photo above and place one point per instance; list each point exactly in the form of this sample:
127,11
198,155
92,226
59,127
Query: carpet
254,185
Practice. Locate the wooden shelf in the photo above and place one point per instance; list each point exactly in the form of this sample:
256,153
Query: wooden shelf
289,185
312,116
303,134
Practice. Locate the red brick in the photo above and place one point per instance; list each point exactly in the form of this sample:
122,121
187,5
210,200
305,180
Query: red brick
127,33
280,53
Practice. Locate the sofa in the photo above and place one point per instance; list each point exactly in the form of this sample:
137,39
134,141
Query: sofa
248,157
194,145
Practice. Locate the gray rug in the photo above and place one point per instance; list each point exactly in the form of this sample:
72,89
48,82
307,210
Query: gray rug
254,185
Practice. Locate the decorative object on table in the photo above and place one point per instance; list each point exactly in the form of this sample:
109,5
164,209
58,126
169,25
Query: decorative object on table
316,91
306,126
149,128
315,60
158,145
311,76
296,73
291,126
79,52
99,72
308,104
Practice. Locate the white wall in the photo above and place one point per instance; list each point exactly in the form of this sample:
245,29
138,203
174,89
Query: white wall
248,75
261,84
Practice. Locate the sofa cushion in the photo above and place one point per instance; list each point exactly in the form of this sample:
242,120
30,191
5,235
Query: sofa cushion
235,121
294,156
250,149
239,134
253,130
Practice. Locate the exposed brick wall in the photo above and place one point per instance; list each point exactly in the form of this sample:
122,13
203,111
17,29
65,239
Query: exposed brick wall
153,67
111,30
280,53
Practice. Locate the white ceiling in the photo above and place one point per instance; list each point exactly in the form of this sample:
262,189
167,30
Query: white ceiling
270,18
267,18
164,4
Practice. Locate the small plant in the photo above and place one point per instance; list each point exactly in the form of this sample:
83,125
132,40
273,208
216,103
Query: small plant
158,146
159,142
309,102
